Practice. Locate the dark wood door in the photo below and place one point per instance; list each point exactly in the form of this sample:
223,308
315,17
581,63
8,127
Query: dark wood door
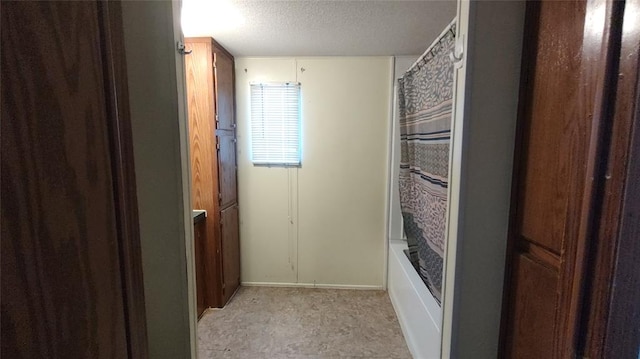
224,87
225,126
71,273
566,74
230,250
227,168
200,243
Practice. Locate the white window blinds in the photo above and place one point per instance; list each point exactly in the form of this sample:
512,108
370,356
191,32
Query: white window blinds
275,124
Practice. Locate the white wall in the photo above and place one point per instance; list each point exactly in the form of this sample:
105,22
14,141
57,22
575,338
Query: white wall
156,109
485,114
324,223
396,231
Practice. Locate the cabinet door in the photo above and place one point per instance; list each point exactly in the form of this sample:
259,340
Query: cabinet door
224,87
200,243
227,180
71,270
230,250
225,126
554,142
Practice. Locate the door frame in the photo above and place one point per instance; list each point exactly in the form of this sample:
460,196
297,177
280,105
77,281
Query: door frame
124,179
485,107
606,277
612,297
185,174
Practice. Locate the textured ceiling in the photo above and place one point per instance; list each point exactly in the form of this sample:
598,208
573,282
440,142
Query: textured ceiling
318,28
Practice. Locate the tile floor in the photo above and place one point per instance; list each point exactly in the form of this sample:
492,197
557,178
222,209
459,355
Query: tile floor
302,323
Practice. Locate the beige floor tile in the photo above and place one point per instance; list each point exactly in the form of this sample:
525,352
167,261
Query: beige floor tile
302,323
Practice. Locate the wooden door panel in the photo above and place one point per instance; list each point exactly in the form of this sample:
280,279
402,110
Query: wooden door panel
224,83
230,250
68,277
555,150
227,170
200,244
203,153
201,125
532,331
567,72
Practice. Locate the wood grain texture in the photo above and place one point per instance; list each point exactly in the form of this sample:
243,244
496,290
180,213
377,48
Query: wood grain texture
612,310
200,240
555,143
597,85
554,134
204,169
224,87
211,95
230,250
533,309
224,79
564,98
70,267
227,167
225,107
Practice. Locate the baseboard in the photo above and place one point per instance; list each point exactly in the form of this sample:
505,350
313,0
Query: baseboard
312,285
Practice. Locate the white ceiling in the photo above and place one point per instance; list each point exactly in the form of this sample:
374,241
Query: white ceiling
317,27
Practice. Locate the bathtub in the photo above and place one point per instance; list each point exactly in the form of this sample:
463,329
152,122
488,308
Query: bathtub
419,314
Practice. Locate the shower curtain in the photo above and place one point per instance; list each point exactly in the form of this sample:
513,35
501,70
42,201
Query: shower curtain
425,96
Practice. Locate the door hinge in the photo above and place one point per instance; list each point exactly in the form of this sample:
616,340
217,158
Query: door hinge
218,146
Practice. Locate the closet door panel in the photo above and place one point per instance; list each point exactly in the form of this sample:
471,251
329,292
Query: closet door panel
200,245
227,170
555,136
230,250
532,330
71,276
224,89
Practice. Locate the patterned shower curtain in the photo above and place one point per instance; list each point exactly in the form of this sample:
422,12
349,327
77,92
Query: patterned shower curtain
425,96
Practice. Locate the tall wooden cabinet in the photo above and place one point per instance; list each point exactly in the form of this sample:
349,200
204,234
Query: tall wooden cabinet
212,123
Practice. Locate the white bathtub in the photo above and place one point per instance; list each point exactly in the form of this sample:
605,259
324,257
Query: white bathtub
419,314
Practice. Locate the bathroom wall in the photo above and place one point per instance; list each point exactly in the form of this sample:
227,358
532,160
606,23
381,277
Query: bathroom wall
324,223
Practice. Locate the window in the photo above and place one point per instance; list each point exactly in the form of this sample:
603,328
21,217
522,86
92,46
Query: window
275,124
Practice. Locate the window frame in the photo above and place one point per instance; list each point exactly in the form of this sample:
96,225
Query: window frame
273,162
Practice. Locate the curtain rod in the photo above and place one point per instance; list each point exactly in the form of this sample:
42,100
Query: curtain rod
433,44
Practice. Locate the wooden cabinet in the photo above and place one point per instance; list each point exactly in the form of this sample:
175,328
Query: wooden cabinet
212,123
